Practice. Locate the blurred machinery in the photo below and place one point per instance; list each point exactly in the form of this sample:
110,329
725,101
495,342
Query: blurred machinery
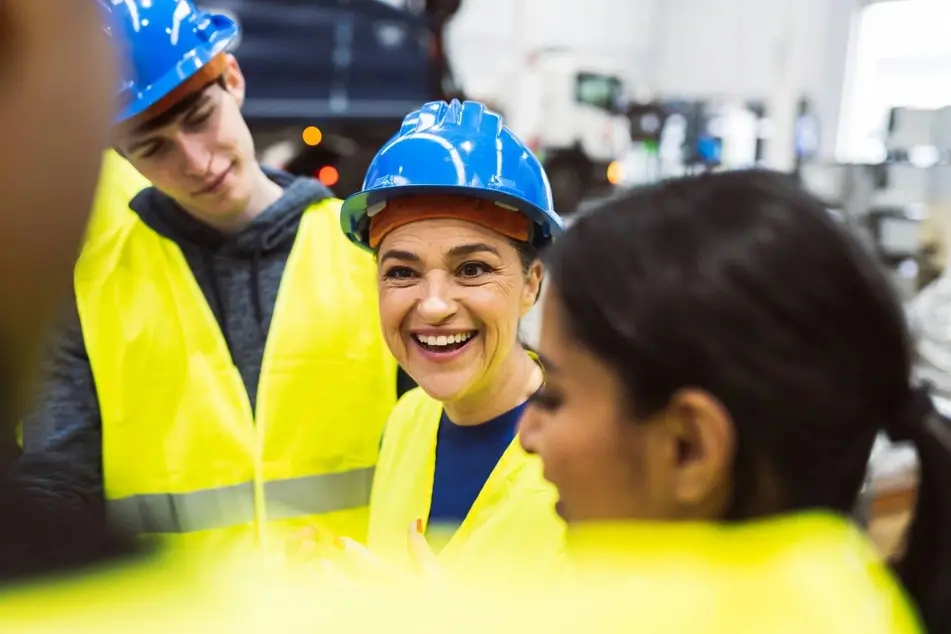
329,81
901,207
570,107
676,137
561,84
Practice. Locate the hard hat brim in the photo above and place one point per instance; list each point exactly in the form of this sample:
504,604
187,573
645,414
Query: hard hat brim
355,222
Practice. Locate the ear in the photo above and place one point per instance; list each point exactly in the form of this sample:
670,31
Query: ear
533,285
234,80
706,439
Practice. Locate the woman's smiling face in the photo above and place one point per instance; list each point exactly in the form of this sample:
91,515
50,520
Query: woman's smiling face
451,294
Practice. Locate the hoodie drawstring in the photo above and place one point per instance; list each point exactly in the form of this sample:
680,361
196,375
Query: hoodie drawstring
256,301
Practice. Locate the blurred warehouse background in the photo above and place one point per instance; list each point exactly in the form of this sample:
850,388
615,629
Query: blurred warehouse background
850,94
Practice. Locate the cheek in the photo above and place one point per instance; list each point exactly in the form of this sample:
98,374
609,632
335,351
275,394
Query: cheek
245,141
573,446
230,142
395,305
598,451
599,462
497,310
232,132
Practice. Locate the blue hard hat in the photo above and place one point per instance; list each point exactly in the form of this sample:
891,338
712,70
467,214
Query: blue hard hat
453,148
166,42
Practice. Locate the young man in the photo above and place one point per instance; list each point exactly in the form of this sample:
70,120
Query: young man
224,376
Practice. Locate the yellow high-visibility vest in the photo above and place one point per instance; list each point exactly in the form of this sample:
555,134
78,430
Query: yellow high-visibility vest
512,521
803,572
163,592
183,454
784,576
118,184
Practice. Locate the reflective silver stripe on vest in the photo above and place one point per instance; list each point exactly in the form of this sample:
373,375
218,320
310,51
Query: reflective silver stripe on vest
233,505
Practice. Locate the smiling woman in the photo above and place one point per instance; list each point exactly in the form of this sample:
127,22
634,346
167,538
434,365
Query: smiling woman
456,208
451,294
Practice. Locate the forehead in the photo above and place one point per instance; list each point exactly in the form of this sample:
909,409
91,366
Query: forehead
437,237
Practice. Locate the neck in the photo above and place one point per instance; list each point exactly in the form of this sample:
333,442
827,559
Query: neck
264,193
511,385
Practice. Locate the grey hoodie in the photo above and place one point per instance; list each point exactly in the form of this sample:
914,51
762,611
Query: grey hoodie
239,276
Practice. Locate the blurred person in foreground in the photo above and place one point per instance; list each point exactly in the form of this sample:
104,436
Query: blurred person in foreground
720,354
221,377
54,120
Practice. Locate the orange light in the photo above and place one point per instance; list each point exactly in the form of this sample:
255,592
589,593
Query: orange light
615,173
312,135
328,175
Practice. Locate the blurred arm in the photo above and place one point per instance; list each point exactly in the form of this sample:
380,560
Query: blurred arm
64,424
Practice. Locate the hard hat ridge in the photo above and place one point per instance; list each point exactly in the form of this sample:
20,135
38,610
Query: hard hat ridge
166,42
461,149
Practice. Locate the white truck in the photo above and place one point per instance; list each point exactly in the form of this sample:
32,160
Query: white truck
570,107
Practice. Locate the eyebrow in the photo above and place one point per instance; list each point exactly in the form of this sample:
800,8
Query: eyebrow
471,249
395,254
459,251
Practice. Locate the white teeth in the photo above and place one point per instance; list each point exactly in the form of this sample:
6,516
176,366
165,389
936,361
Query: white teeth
444,340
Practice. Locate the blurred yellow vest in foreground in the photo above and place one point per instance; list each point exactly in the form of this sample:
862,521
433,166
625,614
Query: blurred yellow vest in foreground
807,574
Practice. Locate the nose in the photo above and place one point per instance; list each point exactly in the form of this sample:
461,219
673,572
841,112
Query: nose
528,428
437,305
195,154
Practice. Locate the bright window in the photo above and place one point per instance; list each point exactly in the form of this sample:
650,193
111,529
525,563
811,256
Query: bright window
902,58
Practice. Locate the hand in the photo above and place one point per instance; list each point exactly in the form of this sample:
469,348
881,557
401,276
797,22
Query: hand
348,559
363,561
425,560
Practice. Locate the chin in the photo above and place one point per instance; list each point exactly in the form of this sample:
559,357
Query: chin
444,389
239,195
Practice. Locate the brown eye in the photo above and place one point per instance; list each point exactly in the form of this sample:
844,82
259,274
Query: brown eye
473,269
399,273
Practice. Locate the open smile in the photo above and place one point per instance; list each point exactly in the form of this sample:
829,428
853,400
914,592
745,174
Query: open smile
444,346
